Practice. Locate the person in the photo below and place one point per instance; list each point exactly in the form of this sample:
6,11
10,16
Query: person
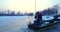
38,17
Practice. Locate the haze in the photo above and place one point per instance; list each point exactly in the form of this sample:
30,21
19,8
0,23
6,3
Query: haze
27,5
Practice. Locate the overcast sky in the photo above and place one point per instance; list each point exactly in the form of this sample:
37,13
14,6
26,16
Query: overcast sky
27,5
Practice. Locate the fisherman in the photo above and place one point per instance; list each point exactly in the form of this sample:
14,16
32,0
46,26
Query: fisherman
38,18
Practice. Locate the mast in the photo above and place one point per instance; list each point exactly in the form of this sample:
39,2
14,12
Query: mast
35,8
35,5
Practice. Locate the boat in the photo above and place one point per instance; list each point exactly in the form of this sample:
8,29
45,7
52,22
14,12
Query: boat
46,24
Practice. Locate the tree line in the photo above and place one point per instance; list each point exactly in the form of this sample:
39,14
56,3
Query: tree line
13,13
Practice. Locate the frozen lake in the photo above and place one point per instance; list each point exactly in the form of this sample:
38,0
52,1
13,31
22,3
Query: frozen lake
14,23
20,24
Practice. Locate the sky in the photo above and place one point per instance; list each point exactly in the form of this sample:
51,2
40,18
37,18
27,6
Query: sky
27,5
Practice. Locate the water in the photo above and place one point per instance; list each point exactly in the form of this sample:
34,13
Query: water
20,24
14,24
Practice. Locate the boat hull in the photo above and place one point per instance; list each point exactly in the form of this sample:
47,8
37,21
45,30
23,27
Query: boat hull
37,27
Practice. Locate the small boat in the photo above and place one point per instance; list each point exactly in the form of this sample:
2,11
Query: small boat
45,25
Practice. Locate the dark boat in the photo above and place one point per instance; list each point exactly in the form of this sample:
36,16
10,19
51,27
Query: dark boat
46,24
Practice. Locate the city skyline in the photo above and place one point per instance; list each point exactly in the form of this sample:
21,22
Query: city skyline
27,5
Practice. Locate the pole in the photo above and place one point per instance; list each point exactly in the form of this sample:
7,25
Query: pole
35,5
34,8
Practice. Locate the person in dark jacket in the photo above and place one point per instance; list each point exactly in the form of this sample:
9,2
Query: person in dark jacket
38,17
